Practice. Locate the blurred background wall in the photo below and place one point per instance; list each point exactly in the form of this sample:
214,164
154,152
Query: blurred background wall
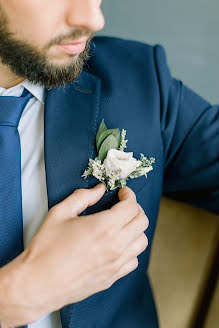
188,30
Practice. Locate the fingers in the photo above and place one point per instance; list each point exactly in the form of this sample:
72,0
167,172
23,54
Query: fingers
80,199
128,262
132,230
137,247
124,211
120,214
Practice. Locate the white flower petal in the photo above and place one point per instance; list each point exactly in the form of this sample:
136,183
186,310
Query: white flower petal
121,161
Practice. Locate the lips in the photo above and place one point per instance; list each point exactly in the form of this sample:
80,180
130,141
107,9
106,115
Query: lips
72,48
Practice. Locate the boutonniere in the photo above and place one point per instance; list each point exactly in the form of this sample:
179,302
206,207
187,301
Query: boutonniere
113,166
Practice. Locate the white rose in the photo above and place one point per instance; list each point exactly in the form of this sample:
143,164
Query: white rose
122,161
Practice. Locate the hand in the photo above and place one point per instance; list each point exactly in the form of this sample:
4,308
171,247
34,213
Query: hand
72,257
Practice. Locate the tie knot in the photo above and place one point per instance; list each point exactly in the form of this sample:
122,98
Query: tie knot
11,108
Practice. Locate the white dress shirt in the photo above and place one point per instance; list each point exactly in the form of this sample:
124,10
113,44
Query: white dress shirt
33,179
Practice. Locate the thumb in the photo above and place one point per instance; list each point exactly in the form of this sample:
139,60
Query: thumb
80,199
126,193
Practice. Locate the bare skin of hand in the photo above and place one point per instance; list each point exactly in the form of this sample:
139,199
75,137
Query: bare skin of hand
72,257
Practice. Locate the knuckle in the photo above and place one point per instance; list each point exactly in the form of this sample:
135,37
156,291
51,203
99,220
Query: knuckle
145,241
112,252
113,268
144,217
133,194
139,207
118,244
129,206
134,263
109,283
145,222
55,210
134,208
99,228
104,230
108,233
81,192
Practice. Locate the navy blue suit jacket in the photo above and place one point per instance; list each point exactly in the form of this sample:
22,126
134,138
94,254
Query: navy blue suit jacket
128,83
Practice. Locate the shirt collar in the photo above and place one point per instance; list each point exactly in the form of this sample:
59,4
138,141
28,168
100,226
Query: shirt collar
36,90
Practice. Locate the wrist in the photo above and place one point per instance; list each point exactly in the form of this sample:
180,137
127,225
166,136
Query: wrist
14,293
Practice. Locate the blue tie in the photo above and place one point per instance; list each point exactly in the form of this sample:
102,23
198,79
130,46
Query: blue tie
11,220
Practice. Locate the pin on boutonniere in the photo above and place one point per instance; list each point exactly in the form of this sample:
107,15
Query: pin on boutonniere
113,166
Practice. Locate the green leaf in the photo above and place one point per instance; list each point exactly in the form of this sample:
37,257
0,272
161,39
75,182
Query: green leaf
102,128
105,134
116,133
109,143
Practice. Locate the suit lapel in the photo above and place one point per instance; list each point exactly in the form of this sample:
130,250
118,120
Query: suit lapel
69,135
70,126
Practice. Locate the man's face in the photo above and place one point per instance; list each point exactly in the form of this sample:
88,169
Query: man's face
31,29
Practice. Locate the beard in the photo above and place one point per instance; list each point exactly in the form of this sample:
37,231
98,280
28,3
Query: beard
26,61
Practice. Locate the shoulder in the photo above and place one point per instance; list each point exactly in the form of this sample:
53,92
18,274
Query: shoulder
123,55
117,45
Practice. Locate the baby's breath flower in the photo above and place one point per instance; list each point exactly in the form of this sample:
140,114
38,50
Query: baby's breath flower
86,173
123,140
95,168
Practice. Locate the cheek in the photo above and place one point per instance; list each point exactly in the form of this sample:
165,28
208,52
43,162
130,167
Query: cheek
31,20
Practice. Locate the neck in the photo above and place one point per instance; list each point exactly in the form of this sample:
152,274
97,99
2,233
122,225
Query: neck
7,78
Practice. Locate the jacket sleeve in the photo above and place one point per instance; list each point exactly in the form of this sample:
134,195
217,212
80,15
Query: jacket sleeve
190,134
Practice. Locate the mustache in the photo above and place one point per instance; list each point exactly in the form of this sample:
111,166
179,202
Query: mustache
73,36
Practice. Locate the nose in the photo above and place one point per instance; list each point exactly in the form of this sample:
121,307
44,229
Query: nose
85,14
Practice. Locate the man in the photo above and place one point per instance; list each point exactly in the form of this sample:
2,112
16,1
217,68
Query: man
77,270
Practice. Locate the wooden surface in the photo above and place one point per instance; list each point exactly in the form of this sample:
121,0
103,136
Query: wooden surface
213,315
182,254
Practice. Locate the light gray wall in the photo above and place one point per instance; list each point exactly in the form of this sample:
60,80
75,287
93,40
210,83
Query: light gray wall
188,30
